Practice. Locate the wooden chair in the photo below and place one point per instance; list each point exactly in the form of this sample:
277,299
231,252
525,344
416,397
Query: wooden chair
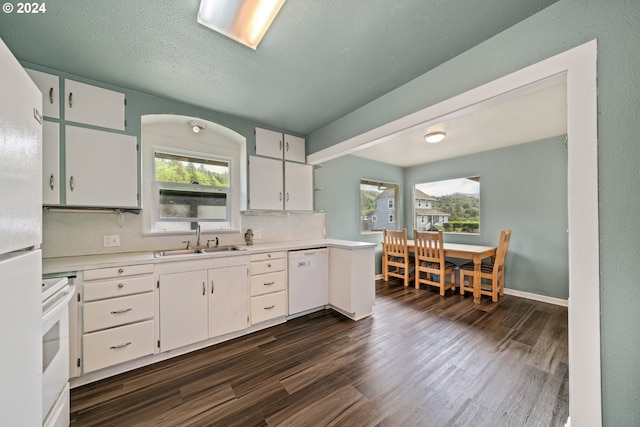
396,261
431,267
493,271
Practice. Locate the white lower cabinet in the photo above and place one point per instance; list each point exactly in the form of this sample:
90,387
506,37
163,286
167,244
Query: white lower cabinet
228,300
352,288
117,315
183,309
199,304
268,286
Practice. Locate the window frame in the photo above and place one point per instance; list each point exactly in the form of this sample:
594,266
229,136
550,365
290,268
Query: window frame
168,134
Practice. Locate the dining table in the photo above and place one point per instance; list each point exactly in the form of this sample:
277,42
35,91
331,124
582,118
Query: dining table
475,253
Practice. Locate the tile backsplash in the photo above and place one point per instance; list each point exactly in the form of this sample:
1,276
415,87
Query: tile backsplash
69,233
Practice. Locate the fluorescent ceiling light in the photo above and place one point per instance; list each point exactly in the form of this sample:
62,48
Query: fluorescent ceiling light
245,21
434,137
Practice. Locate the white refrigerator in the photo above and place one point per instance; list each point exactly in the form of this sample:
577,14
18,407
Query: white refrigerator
20,241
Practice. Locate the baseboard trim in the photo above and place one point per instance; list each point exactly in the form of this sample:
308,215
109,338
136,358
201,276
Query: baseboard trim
522,294
537,297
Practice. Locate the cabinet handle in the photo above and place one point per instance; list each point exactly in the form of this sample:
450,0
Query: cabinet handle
121,270
287,149
71,184
280,196
269,265
280,146
126,310
114,347
70,99
204,288
270,307
269,283
268,255
51,95
212,286
120,285
51,181
287,196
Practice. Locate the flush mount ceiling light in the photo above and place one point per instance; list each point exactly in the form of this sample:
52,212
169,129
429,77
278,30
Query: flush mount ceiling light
434,137
245,21
196,127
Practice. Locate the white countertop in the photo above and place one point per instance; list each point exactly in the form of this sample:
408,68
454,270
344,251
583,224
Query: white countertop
75,263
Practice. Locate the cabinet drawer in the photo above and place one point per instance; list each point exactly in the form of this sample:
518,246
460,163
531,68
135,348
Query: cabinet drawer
106,348
267,256
267,283
117,288
268,306
117,311
262,267
108,273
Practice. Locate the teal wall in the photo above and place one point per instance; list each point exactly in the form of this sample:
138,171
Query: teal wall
522,188
340,196
564,25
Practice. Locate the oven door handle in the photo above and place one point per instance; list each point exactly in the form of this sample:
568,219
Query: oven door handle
62,304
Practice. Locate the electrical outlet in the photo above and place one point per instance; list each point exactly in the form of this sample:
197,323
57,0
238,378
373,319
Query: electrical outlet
111,240
324,231
257,234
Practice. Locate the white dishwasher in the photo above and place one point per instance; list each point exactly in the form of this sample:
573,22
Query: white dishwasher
308,280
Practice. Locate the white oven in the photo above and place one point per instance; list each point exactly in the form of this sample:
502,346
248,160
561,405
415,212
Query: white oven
56,294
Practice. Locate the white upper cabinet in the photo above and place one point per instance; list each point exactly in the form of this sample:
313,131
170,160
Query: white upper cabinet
294,149
277,184
50,163
279,146
269,143
49,85
94,106
101,168
298,186
265,183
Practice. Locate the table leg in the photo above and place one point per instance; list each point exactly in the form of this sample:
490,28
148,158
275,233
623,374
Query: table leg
476,279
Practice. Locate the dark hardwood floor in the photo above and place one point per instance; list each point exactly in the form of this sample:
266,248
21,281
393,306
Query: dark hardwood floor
421,360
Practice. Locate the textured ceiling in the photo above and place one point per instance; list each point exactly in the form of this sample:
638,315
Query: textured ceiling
320,60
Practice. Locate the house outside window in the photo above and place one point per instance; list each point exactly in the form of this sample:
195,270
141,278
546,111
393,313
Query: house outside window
451,206
378,201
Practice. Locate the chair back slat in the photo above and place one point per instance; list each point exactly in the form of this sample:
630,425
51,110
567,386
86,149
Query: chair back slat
503,247
429,246
395,243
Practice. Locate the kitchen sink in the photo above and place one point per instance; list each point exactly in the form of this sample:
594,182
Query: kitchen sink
222,249
198,250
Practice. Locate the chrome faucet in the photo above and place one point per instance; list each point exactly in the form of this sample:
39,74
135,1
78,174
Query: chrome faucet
198,236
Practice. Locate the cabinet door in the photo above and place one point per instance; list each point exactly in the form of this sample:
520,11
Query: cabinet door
298,183
50,163
228,300
49,85
265,183
269,143
183,309
101,168
93,105
294,149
